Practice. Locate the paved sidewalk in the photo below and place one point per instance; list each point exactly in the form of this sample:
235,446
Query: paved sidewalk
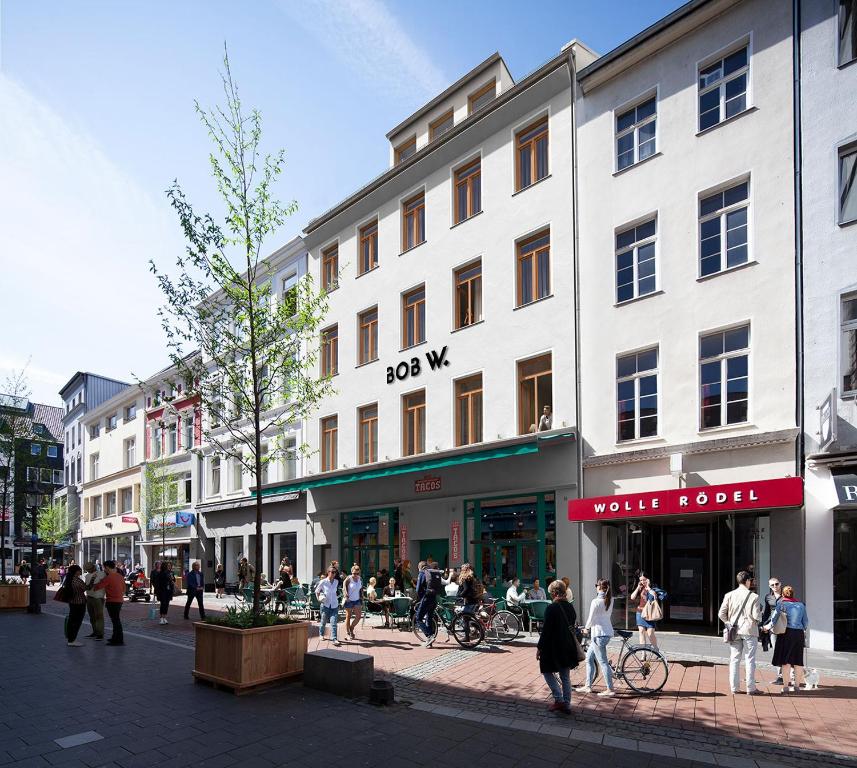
502,685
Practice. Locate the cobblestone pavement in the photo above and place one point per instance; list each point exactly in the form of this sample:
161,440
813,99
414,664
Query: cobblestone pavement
694,715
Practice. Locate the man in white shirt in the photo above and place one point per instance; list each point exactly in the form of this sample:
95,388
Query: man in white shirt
94,600
513,597
329,602
741,609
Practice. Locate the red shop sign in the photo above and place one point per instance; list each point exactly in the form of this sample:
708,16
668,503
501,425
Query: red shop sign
734,497
455,542
403,541
427,484
129,519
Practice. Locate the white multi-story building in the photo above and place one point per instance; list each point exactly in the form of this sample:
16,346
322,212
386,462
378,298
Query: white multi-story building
111,493
83,392
226,508
828,141
686,289
450,339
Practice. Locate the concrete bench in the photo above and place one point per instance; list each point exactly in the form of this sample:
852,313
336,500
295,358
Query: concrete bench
339,672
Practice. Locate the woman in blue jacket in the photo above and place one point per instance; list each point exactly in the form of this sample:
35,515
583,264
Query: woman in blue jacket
789,649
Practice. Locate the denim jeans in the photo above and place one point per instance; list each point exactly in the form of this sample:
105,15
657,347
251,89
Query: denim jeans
425,614
331,615
598,650
560,693
747,646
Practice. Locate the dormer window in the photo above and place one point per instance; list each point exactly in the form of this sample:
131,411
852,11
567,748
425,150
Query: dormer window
406,149
440,126
481,97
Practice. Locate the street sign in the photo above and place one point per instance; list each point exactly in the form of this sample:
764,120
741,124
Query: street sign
827,417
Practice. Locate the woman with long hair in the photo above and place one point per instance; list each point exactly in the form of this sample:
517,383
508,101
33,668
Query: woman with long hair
164,589
600,630
645,592
219,580
788,651
75,592
557,651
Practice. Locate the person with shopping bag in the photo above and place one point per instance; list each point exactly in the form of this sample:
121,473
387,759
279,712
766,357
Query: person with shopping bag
788,623
649,609
740,613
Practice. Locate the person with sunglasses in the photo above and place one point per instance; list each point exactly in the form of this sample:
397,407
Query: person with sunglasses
775,593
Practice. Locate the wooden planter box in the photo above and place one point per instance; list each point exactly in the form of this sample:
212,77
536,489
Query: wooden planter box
242,659
14,596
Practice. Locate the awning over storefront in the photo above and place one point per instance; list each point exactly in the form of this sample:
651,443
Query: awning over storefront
734,497
246,502
521,446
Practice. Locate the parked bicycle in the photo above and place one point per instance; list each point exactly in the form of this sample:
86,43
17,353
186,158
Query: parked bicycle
467,630
500,625
643,668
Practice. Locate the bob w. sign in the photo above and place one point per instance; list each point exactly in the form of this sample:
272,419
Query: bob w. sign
413,367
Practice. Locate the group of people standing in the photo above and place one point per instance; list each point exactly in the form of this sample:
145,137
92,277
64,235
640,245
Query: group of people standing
97,592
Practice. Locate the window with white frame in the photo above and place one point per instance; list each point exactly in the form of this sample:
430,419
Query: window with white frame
724,378
94,429
236,480
111,421
848,345
289,293
635,133
723,88
187,437
173,437
187,487
57,477
45,475
95,507
32,474
637,395
131,412
214,475
263,455
35,449
848,184
127,501
111,504
723,229
52,451
93,466
130,452
157,443
847,31
290,458
635,261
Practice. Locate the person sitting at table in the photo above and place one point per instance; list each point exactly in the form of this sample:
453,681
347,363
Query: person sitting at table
513,597
450,586
388,593
536,593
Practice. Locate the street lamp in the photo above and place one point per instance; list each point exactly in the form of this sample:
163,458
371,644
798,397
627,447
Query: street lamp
35,605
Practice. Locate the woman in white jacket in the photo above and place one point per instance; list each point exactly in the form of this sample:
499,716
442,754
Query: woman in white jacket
600,630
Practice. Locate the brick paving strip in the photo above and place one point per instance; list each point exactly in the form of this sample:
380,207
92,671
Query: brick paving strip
501,687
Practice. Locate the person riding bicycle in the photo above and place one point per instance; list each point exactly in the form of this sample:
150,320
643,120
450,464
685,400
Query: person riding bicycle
429,586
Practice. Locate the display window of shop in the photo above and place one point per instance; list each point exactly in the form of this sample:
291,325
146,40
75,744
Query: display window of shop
370,539
282,545
510,537
231,551
694,562
844,580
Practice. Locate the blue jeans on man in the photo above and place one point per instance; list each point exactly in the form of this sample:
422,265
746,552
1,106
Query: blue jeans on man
328,615
425,610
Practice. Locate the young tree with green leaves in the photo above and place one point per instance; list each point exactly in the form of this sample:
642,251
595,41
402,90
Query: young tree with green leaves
256,371
52,526
156,508
14,426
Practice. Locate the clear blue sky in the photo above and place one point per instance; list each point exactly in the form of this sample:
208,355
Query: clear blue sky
96,119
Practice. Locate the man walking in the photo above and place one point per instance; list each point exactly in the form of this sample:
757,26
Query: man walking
329,603
429,585
94,600
114,593
195,590
741,610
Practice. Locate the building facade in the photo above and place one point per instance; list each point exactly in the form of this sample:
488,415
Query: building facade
83,392
687,330
828,141
111,492
450,339
226,508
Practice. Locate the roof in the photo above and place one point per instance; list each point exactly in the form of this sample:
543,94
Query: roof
84,374
460,83
504,98
642,37
37,413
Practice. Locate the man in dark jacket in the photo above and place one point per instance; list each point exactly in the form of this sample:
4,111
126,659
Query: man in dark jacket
428,586
195,591
557,651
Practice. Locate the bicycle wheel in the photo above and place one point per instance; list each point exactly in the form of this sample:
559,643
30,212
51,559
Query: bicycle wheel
467,631
578,674
505,626
645,669
433,619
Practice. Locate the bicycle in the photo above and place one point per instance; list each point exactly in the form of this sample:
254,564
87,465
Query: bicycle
467,630
500,625
643,668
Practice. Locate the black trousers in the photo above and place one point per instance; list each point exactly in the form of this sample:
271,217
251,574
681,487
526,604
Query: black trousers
75,619
190,598
165,603
113,610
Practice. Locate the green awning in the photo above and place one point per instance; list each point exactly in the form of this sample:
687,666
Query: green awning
371,473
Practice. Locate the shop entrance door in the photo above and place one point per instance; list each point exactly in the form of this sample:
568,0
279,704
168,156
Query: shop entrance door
502,561
686,573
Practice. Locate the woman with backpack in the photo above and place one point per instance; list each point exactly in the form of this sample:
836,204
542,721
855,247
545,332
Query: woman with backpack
647,593
557,649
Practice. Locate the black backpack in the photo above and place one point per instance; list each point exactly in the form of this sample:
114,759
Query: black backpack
433,581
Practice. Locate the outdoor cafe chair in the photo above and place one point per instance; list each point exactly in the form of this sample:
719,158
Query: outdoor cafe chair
400,611
536,612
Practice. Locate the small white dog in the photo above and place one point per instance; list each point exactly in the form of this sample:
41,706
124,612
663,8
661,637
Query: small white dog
811,676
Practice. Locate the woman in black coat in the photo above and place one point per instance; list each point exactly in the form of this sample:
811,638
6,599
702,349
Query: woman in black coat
164,589
557,651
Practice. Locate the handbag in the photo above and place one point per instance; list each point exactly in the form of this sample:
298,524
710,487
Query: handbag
572,630
61,595
652,611
781,624
730,631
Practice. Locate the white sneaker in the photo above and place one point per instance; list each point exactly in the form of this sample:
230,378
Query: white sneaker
583,689
607,693
75,645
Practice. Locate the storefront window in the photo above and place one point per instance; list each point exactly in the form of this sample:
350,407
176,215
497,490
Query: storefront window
844,580
282,545
370,539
